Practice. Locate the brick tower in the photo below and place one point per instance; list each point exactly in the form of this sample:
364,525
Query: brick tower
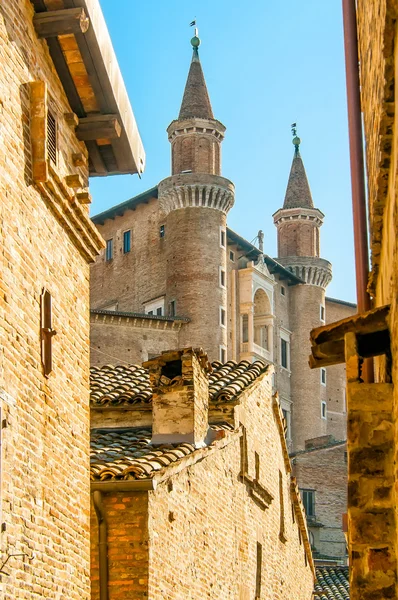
298,224
195,201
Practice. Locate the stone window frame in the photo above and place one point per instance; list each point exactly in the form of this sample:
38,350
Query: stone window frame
322,375
283,290
324,410
152,306
129,232
232,256
308,492
322,312
223,317
284,334
109,250
222,275
223,237
223,353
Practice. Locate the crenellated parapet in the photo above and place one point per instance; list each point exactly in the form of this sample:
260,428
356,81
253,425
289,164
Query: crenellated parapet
197,190
313,270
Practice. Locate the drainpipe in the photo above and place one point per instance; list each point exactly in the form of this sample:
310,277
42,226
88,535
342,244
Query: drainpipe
357,166
102,544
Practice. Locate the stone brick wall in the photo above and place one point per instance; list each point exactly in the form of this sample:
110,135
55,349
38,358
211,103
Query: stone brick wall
298,239
127,521
44,491
216,557
119,340
324,470
135,277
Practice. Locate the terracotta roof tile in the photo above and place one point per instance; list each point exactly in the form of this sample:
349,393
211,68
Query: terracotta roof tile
129,385
332,583
128,454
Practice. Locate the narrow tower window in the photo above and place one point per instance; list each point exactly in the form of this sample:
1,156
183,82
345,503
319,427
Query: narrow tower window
51,138
172,308
127,241
222,317
284,354
283,291
222,238
222,278
259,564
47,332
323,410
322,312
109,250
161,231
232,256
323,376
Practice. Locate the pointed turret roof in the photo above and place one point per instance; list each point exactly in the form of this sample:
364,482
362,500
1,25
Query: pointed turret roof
196,101
298,193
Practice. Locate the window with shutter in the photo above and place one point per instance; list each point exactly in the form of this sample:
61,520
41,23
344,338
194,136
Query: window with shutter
51,138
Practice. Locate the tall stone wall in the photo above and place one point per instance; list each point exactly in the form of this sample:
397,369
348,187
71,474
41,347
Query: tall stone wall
44,487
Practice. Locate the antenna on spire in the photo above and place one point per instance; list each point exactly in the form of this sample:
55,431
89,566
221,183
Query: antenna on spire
296,140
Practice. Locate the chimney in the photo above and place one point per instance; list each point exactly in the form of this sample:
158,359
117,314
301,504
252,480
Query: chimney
180,396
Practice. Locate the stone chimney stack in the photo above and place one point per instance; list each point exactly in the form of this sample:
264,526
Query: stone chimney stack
180,396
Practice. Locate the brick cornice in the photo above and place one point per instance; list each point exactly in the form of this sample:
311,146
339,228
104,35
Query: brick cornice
63,203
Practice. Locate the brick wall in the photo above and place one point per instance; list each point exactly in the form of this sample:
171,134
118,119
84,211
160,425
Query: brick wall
127,519
216,557
307,391
121,342
135,277
297,239
325,471
45,492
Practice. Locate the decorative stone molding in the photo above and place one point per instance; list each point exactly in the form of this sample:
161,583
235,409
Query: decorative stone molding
197,190
195,125
284,215
313,270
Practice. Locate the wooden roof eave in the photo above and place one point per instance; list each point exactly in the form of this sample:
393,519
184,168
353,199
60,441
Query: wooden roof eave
371,329
108,87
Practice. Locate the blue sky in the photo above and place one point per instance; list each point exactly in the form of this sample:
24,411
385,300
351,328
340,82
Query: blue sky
267,64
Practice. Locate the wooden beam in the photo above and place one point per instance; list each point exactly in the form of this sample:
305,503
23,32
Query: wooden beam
96,159
60,22
362,324
97,127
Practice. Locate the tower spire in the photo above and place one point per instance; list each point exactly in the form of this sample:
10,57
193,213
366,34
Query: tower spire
298,193
196,101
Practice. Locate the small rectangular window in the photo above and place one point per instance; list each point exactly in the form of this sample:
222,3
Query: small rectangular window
109,250
222,238
323,410
172,308
159,312
150,312
231,255
222,278
46,331
223,354
222,317
284,354
323,376
161,231
127,241
52,137
257,465
308,497
322,312
283,291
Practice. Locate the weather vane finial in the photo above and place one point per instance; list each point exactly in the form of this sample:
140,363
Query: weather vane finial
296,140
195,41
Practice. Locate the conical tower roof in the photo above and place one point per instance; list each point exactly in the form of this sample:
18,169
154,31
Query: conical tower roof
298,193
196,101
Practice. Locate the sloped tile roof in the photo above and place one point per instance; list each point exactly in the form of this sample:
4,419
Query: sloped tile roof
122,454
332,583
129,385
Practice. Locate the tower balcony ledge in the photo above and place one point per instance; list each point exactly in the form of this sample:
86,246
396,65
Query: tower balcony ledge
312,269
196,125
196,190
288,214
